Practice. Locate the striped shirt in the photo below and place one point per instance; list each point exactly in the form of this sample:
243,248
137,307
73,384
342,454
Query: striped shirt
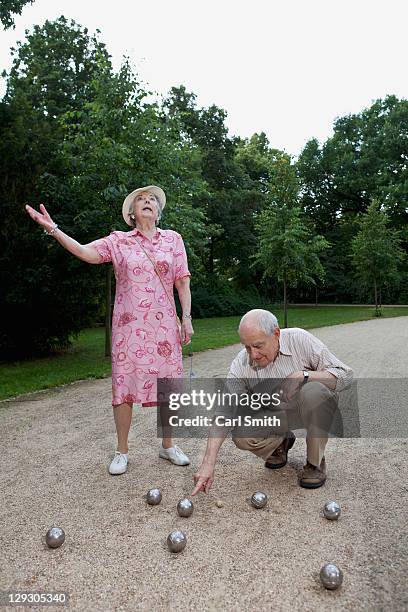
298,350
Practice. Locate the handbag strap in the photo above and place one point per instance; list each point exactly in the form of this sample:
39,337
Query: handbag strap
155,268
190,354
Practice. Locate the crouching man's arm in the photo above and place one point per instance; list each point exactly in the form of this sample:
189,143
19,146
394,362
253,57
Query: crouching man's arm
204,477
323,365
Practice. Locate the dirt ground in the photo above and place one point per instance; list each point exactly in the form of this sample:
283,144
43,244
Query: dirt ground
57,446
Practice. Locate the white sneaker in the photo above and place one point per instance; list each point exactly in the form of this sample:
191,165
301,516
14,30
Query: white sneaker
119,463
174,454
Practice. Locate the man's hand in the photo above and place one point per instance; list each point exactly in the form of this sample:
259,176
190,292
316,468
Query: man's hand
204,478
291,386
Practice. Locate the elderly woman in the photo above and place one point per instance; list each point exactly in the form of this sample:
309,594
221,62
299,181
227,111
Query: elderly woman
146,340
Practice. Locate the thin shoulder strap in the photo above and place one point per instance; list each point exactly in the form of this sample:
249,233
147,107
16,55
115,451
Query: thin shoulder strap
155,268
168,297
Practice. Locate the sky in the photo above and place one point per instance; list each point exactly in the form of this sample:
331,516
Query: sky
287,68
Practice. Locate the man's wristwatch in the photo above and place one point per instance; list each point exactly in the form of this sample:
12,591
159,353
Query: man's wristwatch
305,376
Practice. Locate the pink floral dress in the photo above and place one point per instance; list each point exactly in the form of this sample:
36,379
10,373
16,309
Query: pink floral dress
145,337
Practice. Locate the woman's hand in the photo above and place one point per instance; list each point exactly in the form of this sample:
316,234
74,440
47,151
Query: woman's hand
85,252
42,218
186,331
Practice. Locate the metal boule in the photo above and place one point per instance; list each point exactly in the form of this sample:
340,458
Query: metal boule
331,510
153,497
259,499
185,507
176,541
331,576
55,537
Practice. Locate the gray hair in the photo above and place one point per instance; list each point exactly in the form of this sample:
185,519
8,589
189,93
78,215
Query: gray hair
263,319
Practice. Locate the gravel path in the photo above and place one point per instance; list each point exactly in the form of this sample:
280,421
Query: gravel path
57,446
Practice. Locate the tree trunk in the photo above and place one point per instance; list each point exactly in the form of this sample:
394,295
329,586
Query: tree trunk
285,302
375,294
378,312
108,306
316,295
211,257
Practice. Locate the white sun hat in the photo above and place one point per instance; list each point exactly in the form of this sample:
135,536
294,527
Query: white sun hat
127,204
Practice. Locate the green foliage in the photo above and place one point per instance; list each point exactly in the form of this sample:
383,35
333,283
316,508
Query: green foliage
9,8
96,139
85,358
78,136
376,252
231,197
287,249
221,298
365,158
54,68
40,282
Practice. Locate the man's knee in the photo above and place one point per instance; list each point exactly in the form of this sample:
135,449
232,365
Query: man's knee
317,405
314,397
315,392
243,443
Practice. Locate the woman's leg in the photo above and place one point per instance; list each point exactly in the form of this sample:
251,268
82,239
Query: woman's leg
123,419
165,413
169,450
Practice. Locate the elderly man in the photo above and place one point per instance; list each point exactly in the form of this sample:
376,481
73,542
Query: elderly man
312,376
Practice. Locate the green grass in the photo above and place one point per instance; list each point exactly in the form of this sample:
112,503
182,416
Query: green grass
85,359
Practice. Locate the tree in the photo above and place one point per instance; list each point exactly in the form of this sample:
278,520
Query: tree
49,77
119,141
256,158
8,8
225,199
365,158
287,249
376,252
54,67
79,143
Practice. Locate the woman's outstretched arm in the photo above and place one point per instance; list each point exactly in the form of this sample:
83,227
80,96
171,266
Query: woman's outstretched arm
82,251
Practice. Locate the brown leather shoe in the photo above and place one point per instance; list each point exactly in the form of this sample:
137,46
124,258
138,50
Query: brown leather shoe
313,477
279,457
